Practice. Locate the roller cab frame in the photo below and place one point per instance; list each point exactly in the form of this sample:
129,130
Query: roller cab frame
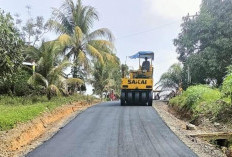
137,88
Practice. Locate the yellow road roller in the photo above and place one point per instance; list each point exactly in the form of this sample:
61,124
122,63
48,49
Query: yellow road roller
137,88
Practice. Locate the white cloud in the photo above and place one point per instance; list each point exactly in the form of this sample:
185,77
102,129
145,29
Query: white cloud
174,9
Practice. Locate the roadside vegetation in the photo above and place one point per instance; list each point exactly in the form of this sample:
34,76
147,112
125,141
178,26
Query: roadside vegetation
202,81
38,75
14,110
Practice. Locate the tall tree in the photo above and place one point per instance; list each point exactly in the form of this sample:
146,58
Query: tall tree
74,22
204,44
10,51
33,29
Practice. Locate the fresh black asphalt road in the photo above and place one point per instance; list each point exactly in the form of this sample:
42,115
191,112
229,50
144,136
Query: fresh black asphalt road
111,130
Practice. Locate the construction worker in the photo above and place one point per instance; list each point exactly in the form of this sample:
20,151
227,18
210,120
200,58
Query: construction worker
146,65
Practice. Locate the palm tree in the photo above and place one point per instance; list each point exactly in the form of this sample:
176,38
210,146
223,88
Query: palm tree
171,80
73,23
50,68
80,46
70,15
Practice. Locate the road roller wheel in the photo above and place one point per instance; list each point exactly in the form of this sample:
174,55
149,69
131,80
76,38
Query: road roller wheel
136,97
123,98
144,98
150,99
130,97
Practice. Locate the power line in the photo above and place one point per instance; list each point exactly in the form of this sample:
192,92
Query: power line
147,31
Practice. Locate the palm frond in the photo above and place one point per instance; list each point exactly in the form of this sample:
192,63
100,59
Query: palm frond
53,90
88,16
78,33
102,44
64,40
37,79
58,70
101,33
57,27
74,81
57,47
172,78
32,53
95,53
64,20
82,57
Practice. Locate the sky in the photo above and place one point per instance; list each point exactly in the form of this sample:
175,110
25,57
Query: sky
136,24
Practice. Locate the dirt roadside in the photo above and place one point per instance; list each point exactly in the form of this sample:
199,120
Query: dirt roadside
199,146
27,136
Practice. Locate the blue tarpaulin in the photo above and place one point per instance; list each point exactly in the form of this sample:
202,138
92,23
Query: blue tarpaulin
143,54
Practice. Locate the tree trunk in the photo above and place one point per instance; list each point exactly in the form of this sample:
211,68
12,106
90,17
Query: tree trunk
74,71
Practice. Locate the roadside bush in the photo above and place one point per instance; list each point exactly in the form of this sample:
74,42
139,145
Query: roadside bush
21,86
18,84
200,99
227,86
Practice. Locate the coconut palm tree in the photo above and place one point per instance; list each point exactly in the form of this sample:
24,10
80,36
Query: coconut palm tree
70,15
73,23
171,79
50,69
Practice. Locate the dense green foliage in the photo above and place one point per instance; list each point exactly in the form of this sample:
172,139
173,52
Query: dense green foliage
106,78
14,110
23,87
227,86
10,52
125,70
77,46
50,68
115,77
204,47
205,101
204,44
199,100
100,78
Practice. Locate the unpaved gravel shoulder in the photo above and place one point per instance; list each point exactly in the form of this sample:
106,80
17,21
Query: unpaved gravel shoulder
200,147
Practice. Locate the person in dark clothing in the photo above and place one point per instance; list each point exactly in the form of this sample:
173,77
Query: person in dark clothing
146,65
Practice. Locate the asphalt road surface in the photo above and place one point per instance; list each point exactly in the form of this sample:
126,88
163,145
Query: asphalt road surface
111,130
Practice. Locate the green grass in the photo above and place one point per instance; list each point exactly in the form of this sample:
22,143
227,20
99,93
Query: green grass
200,100
14,110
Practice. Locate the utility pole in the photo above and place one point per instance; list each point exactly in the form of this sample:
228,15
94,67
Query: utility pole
189,76
126,60
192,16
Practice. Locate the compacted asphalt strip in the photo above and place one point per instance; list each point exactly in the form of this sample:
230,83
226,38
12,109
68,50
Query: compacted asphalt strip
111,130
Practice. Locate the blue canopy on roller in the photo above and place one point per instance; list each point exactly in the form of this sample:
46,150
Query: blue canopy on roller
143,54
